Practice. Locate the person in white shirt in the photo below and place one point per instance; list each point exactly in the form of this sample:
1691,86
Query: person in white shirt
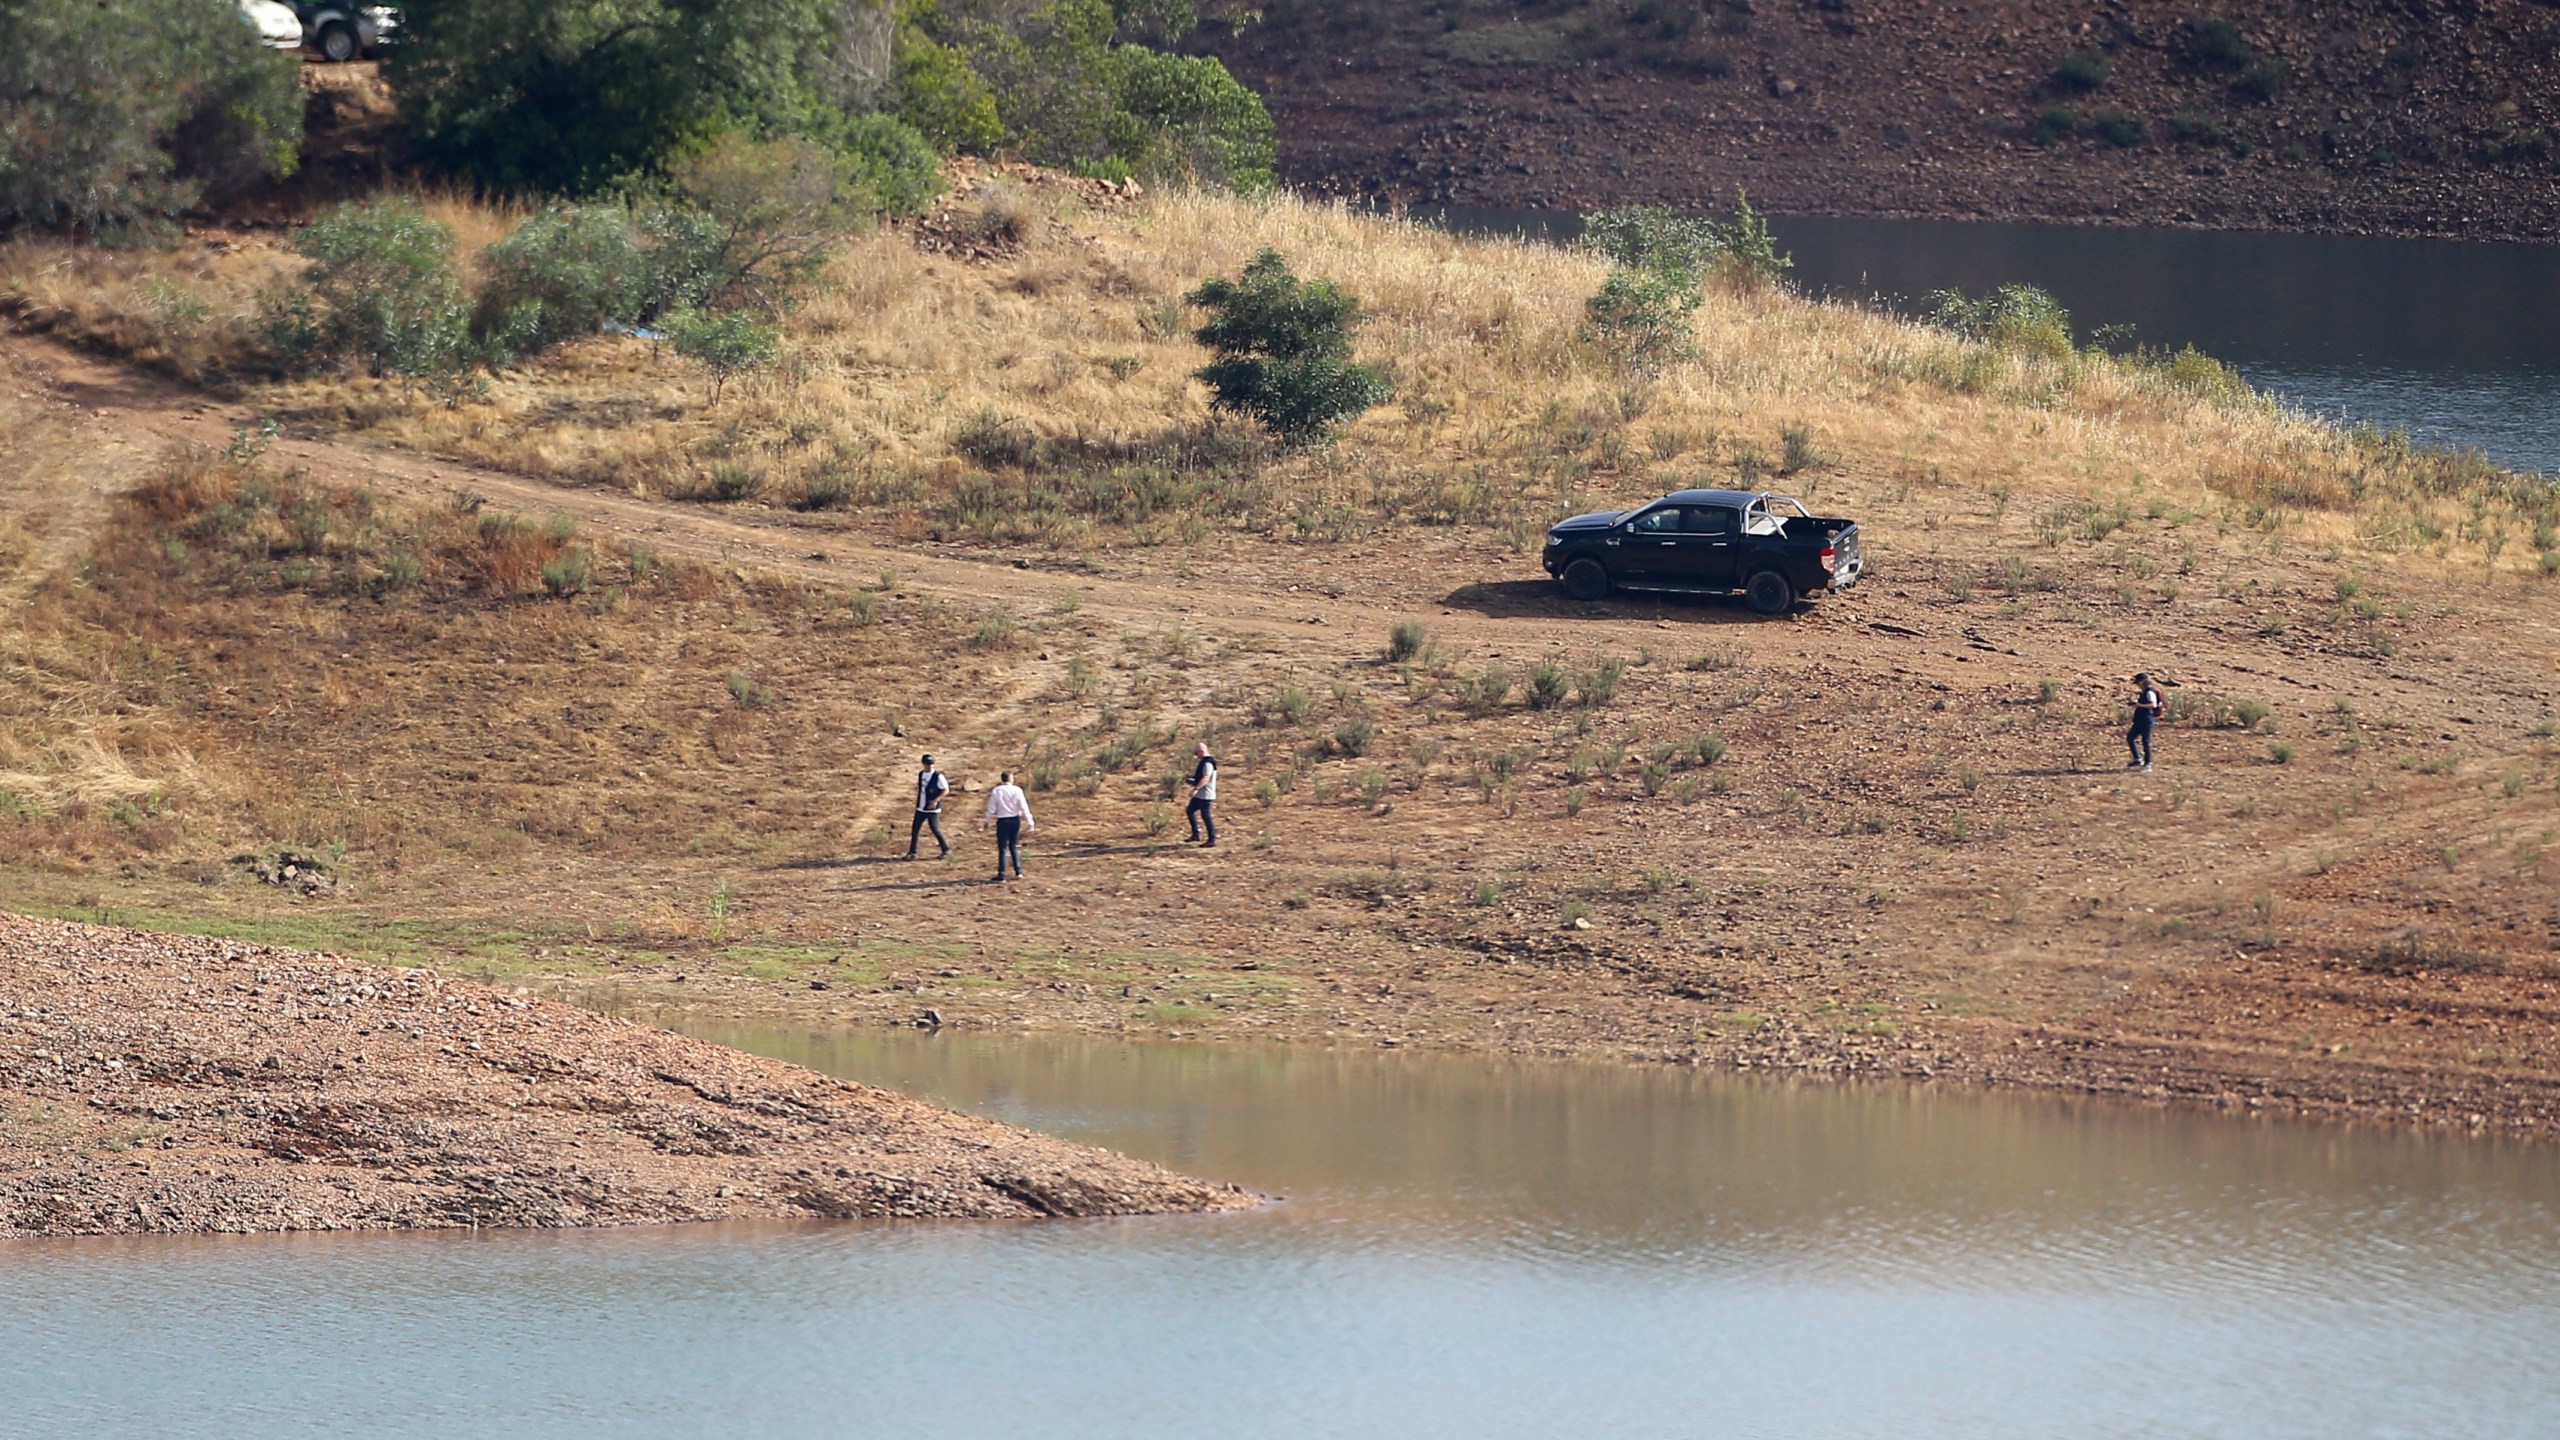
1202,811
1010,809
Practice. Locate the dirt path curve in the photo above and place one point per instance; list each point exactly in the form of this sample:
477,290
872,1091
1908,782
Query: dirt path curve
1328,624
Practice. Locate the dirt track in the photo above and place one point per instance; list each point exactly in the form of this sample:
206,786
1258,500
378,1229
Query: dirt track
1916,862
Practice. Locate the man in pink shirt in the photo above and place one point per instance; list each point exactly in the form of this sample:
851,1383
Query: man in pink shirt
1010,809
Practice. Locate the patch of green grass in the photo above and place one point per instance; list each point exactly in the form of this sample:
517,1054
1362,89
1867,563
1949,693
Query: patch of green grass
1170,1016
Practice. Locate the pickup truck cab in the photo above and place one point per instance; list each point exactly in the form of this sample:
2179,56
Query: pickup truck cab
1765,547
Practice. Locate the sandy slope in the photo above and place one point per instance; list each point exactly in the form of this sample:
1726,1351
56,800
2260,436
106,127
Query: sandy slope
159,1084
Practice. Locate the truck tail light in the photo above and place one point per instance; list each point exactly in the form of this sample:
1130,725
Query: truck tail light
1830,559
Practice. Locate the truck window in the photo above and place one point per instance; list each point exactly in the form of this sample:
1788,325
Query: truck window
1665,521
1710,520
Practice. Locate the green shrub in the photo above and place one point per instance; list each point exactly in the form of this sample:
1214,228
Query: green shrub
117,116
2055,122
1292,703
2117,128
1599,685
748,691
1407,641
1707,749
941,96
1488,892
1352,736
380,290
565,273
2263,81
1643,316
1548,686
1284,351
569,572
2214,43
1687,249
2080,72
747,222
1070,89
574,95
724,344
2012,317
1485,689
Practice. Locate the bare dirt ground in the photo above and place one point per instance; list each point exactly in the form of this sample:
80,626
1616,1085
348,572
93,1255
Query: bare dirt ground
1917,856
2362,117
153,1083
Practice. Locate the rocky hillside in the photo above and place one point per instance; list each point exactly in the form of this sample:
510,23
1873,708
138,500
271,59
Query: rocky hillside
2402,116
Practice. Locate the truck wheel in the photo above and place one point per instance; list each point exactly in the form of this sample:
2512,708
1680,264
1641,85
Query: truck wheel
1586,580
1769,593
338,42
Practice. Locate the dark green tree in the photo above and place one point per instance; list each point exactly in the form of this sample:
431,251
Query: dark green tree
1284,351
118,115
573,95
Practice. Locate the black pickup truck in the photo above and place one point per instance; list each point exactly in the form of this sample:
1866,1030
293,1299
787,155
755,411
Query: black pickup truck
1766,547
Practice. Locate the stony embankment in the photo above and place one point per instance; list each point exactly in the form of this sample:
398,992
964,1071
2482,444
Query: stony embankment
153,1083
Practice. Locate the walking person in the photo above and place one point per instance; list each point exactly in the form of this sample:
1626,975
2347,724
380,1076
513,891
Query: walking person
1010,809
1202,812
930,788
2147,706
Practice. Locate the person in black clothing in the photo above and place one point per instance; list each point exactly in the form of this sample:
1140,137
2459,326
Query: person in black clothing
1202,812
2147,706
930,788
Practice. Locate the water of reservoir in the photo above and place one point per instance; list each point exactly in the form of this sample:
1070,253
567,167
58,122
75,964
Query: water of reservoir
2456,342
1470,1247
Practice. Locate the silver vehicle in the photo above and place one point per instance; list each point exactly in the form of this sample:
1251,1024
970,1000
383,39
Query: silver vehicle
275,22
341,32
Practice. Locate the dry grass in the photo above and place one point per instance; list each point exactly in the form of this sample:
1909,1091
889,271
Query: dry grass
1044,394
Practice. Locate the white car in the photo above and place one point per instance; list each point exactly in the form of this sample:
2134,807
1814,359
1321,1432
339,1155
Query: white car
274,21
341,32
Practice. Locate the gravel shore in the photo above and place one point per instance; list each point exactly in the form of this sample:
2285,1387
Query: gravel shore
170,1084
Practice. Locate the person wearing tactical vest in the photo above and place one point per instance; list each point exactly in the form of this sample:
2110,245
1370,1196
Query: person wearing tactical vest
930,788
1202,811
2146,713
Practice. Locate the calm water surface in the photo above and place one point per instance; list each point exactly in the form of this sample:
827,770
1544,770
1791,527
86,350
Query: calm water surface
2457,343
1469,1248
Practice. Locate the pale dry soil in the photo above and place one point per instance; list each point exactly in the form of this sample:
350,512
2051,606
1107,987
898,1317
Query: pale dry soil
1919,855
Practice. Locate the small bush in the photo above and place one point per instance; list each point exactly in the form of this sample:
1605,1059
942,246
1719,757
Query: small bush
2056,122
2012,317
1292,703
1645,317
993,633
1707,749
1283,349
1488,892
2119,128
1484,690
1352,736
1599,685
749,692
1798,454
2280,753
1653,776
2249,713
569,572
2080,72
1407,641
2262,81
1576,913
724,344
565,273
381,290
2214,43
1548,686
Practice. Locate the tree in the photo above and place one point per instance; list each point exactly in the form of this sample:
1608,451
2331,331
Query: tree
725,343
116,116
1284,351
1073,89
381,289
575,95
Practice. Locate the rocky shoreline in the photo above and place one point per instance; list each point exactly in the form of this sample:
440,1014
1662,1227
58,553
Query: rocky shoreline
178,1085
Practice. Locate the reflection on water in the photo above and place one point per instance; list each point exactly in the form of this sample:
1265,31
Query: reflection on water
1469,1247
2458,343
